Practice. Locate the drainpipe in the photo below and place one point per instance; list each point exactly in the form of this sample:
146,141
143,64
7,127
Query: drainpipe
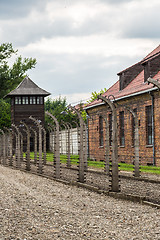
153,129
88,152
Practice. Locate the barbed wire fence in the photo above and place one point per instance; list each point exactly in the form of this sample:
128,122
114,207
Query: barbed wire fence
74,147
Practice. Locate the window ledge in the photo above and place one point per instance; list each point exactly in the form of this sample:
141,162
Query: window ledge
122,146
149,146
101,146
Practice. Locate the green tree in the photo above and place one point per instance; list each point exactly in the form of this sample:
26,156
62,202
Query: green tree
95,94
58,108
10,76
5,114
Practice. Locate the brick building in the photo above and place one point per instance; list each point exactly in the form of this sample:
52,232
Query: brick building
131,90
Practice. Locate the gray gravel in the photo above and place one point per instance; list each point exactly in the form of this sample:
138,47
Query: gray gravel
32,207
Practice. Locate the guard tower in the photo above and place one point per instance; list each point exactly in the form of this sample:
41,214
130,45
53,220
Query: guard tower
27,100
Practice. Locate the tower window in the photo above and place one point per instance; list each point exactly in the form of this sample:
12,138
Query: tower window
33,100
17,100
24,100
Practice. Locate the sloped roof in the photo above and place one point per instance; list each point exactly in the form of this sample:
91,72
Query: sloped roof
28,87
154,53
136,86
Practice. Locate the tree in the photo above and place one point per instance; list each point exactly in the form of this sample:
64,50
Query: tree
58,108
11,76
95,94
5,114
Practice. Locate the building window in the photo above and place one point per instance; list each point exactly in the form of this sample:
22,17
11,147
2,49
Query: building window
100,131
24,100
121,125
17,100
39,100
149,125
110,129
32,100
133,127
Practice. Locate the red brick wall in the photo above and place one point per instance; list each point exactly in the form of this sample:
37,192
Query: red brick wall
126,153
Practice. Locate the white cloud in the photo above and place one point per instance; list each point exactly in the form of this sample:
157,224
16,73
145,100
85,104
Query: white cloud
80,45
105,45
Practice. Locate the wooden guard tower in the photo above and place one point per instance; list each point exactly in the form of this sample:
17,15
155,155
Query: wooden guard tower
27,100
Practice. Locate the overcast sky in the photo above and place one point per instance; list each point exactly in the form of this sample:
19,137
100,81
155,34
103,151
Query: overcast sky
80,45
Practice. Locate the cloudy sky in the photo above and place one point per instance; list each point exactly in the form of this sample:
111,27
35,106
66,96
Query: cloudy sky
80,45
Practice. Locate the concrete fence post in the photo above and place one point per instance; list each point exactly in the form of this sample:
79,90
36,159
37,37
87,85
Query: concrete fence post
10,154
68,144
18,148
115,176
82,163
35,145
44,146
40,162
3,147
57,148
107,148
136,143
28,161
21,146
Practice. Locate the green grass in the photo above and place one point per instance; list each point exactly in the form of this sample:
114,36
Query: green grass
97,164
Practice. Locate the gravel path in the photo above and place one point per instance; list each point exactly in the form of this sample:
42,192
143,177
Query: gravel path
32,207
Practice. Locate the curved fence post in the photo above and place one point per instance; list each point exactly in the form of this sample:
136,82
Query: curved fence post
107,165
3,147
57,149
115,177
35,145
68,144
77,126
21,146
28,164
44,146
10,155
136,143
18,150
40,162
82,160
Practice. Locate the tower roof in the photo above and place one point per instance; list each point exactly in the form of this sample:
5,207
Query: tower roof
28,87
